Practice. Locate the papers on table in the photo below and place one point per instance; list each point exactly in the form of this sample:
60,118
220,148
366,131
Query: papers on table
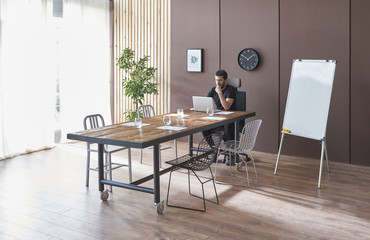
223,113
175,128
214,118
175,115
133,124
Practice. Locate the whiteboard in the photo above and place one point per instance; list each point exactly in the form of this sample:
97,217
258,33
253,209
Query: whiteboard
308,101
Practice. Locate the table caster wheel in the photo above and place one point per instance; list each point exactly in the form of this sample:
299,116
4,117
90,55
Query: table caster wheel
239,166
104,195
159,207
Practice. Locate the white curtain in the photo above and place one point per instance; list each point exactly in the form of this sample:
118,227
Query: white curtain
27,77
30,65
85,63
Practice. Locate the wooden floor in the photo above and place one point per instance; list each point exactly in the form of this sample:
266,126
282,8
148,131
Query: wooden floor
43,196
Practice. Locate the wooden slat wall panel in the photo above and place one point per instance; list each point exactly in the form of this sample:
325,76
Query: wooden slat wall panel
144,26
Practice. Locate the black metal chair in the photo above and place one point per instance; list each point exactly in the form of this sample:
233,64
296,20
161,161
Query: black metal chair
202,160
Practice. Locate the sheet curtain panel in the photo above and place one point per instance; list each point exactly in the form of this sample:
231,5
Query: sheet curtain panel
31,63
85,58
27,77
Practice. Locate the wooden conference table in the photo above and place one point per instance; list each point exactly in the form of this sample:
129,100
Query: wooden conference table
127,135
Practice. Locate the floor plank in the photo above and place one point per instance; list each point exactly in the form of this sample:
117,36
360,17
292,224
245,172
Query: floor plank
44,197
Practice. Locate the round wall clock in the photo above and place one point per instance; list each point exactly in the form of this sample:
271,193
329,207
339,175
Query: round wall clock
248,59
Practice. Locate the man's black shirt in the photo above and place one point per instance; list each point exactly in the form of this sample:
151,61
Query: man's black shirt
228,92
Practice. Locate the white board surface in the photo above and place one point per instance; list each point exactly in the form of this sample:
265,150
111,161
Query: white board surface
309,94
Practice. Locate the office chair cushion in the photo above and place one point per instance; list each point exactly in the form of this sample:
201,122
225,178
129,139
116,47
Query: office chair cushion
235,82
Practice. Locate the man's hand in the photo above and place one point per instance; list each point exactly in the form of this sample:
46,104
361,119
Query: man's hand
218,90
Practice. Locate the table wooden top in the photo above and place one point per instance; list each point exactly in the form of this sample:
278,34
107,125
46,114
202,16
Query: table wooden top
130,136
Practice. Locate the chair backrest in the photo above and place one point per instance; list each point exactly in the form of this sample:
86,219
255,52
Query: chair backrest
93,121
241,98
207,154
249,135
235,82
145,111
240,101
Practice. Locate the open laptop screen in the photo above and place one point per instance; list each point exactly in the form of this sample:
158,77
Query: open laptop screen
201,104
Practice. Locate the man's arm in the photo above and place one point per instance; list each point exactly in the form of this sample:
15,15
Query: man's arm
226,102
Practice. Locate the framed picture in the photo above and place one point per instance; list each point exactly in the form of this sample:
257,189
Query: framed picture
194,60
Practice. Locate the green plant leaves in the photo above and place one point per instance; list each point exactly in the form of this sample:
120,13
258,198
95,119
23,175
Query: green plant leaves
139,83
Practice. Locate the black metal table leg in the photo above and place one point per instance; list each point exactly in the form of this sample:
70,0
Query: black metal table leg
101,166
190,140
156,174
237,130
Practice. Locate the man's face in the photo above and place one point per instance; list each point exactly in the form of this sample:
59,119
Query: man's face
220,81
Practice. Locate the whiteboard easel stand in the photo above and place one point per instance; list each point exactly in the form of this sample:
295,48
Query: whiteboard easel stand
308,103
323,150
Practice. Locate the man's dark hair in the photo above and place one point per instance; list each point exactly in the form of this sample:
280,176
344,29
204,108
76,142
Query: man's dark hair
222,73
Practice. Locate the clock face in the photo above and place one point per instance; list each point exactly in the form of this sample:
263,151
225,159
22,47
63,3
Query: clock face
248,59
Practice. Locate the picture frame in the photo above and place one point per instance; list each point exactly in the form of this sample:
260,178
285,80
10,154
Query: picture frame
194,60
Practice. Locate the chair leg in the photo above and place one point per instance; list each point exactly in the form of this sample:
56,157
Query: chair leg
189,182
175,147
202,183
176,206
88,166
204,198
105,166
168,189
230,163
211,179
254,166
141,156
109,164
218,154
160,162
129,165
246,170
214,184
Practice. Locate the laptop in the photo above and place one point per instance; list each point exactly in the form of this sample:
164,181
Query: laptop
201,104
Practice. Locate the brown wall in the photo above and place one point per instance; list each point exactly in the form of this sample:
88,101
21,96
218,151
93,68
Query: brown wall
195,24
316,30
253,24
281,31
360,82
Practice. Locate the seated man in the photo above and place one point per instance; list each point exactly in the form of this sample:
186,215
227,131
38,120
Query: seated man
224,97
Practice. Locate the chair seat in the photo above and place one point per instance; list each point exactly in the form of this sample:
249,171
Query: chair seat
113,148
231,144
191,162
200,161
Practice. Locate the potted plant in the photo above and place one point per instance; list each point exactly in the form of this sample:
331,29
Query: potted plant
137,82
